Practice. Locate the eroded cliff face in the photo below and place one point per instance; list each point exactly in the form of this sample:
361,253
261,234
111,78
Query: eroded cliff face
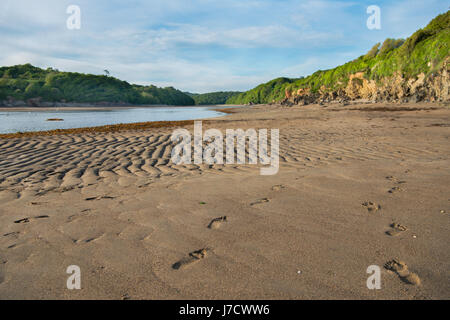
434,87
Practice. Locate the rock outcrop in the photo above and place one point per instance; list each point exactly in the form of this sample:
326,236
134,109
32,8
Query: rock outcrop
432,87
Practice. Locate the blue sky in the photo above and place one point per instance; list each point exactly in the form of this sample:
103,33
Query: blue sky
202,45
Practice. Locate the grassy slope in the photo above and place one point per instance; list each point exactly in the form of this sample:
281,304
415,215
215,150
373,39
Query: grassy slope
410,58
24,82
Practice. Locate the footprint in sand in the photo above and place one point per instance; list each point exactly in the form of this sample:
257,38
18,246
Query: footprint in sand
401,269
26,220
371,206
396,230
394,189
259,201
278,187
193,257
395,179
216,223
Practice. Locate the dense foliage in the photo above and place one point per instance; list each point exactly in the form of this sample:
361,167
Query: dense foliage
423,52
24,82
212,98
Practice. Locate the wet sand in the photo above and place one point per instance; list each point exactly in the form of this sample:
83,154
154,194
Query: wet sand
357,186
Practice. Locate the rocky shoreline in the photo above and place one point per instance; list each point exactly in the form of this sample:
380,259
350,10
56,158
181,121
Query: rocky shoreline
431,88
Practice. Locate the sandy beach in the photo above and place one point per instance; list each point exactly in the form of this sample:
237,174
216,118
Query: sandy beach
358,185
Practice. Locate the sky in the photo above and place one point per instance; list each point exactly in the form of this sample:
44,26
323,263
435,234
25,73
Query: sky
202,45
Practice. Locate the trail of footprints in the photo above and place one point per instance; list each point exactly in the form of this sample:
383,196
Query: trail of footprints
198,255
396,188
56,161
397,266
215,223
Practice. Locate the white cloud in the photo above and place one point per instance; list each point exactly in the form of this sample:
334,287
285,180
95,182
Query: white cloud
149,56
182,43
